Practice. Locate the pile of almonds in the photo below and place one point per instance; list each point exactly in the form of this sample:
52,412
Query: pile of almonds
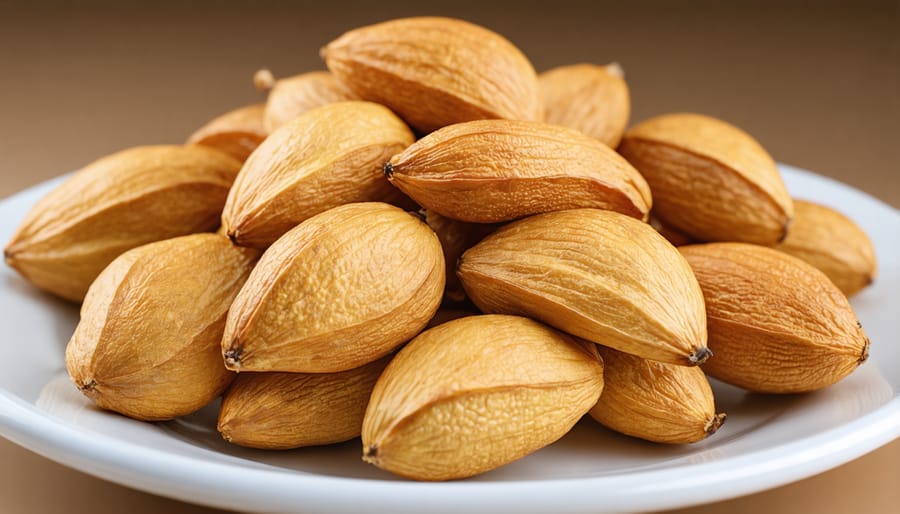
345,314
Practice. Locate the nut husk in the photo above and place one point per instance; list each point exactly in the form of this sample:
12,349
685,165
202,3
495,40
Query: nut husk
776,324
832,243
599,275
236,132
279,411
476,393
341,289
655,401
292,96
326,157
119,202
710,180
592,99
148,343
491,171
435,72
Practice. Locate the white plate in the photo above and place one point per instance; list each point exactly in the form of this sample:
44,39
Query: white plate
767,441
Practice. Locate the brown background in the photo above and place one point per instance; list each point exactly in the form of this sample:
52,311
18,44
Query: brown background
818,83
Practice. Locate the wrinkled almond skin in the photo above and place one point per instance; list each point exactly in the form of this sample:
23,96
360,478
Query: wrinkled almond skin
326,157
292,96
589,98
119,202
832,243
340,290
236,132
435,72
148,343
776,324
476,393
710,180
673,236
456,237
280,411
491,171
655,401
599,275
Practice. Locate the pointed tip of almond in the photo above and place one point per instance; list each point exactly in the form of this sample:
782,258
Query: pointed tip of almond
9,257
615,69
784,231
699,356
370,455
233,359
388,170
714,423
263,79
864,355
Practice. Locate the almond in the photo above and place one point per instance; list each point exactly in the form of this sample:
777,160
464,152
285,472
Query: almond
236,133
119,202
710,180
292,96
476,393
456,237
599,275
436,71
490,171
776,324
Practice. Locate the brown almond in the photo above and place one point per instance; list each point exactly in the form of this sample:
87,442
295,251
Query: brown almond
710,180
599,275
340,290
119,202
476,393
491,171
326,157
776,324
592,99
832,243
436,71
236,132
292,96
147,345
456,237
655,401
279,411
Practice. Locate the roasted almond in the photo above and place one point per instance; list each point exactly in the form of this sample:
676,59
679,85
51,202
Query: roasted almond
119,202
148,343
436,71
776,324
326,157
592,99
340,290
710,180
292,96
476,393
236,132
595,274
490,171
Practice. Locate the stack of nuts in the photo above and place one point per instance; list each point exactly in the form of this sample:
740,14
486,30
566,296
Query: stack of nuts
323,309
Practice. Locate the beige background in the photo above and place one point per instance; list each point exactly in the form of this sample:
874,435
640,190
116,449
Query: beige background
818,83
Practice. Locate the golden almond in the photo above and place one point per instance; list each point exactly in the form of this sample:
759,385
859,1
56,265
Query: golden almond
148,343
435,71
832,243
236,132
340,290
710,180
476,393
456,237
592,99
119,202
279,411
655,401
292,96
673,236
776,324
490,171
326,157
599,275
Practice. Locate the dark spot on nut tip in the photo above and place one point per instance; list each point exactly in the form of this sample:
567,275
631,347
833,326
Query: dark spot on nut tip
233,359
699,356
370,452
388,170
715,423
864,355
88,386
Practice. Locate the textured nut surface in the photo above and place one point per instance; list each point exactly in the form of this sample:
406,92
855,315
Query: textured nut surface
236,132
436,71
326,157
279,411
341,289
832,243
148,343
592,99
596,274
292,96
476,393
659,402
119,202
776,324
490,171
710,179
456,237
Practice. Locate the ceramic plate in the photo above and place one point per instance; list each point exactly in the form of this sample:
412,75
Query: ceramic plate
767,441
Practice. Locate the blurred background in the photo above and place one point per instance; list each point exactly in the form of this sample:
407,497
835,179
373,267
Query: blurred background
818,83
